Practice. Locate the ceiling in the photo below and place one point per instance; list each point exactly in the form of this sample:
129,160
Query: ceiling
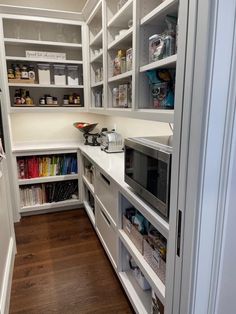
63,5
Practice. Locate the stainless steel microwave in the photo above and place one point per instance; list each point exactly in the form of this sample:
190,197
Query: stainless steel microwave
148,169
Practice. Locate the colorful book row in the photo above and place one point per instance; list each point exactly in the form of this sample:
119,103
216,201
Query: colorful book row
45,166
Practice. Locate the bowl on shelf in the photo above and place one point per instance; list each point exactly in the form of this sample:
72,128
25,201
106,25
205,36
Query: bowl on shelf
85,127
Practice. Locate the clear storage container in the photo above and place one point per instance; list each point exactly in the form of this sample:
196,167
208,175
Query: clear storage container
59,75
44,74
72,75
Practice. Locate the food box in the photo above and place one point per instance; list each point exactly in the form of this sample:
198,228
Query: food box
132,232
153,258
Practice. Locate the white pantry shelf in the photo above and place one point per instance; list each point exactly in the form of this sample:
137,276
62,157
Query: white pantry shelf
46,109
97,58
146,269
90,213
120,76
97,40
97,84
48,179
67,203
169,62
88,185
15,41
140,299
121,18
124,38
95,12
157,16
44,85
25,59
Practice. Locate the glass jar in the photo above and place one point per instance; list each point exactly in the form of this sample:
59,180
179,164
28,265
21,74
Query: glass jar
49,100
17,72
72,75
115,97
156,48
31,72
42,101
10,74
66,100
59,75
129,59
44,74
24,73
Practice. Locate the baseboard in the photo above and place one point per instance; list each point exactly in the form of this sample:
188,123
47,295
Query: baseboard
7,280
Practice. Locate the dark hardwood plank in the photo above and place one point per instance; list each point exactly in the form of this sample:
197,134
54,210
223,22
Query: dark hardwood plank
62,268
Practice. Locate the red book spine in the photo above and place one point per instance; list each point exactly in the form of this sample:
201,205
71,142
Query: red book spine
26,169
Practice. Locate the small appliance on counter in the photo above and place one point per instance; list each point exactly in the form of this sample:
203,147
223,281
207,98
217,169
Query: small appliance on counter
86,128
111,142
148,169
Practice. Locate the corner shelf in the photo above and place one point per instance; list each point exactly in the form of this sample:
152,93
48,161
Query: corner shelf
168,62
97,84
120,76
157,15
122,16
123,38
48,179
146,269
97,58
97,40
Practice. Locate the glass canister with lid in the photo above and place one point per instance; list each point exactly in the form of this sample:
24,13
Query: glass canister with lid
44,73
59,74
72,75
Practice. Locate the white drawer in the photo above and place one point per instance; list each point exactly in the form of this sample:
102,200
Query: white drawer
107,232
107,192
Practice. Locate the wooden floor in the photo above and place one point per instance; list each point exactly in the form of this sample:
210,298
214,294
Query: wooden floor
61,268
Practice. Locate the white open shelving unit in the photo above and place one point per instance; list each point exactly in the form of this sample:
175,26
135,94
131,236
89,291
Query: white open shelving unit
51,35
96,56
148,18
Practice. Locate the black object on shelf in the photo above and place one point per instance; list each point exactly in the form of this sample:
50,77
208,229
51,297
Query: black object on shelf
90,138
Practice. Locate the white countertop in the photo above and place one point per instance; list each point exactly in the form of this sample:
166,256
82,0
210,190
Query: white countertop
110,163
113,165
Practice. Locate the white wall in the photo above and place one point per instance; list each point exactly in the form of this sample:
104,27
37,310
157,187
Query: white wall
59,126
135,127
63,5
50,126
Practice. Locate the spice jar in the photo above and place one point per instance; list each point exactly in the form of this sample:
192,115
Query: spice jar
71,99
10,74
28,99
31,72
17,73
42,101
24,73
17,97
49,100
55,102
66,100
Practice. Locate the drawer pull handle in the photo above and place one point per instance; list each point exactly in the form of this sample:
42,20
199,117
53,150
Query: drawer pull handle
107,220
105,179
